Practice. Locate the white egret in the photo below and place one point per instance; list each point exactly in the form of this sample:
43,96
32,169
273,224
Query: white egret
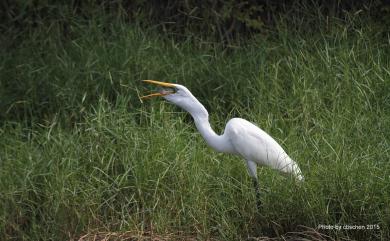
240,137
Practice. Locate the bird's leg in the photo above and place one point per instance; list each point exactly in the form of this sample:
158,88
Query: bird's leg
257,190
252,169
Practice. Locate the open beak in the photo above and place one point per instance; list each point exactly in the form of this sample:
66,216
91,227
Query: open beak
169,89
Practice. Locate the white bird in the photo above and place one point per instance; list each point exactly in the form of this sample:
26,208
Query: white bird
240,137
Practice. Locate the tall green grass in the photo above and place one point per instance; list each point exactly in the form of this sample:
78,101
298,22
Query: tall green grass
80,153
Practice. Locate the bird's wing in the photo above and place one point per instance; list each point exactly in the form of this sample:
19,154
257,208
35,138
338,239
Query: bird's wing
252,143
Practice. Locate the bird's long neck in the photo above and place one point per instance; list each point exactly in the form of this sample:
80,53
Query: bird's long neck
201,118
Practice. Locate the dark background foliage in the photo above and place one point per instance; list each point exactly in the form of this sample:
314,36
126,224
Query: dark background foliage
223,19
226,24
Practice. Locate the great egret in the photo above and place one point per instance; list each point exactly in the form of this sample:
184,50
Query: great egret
240,137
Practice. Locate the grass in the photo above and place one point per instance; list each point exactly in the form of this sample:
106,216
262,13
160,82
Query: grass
80,154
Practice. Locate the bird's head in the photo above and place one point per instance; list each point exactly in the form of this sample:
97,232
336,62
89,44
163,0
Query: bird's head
178,95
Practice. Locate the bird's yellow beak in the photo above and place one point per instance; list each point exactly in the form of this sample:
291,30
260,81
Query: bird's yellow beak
161,93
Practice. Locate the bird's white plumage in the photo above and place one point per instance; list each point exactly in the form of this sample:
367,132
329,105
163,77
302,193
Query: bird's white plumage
240,137
254,144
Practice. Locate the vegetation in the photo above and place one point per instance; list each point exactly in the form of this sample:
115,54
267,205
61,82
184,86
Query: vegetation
80,153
